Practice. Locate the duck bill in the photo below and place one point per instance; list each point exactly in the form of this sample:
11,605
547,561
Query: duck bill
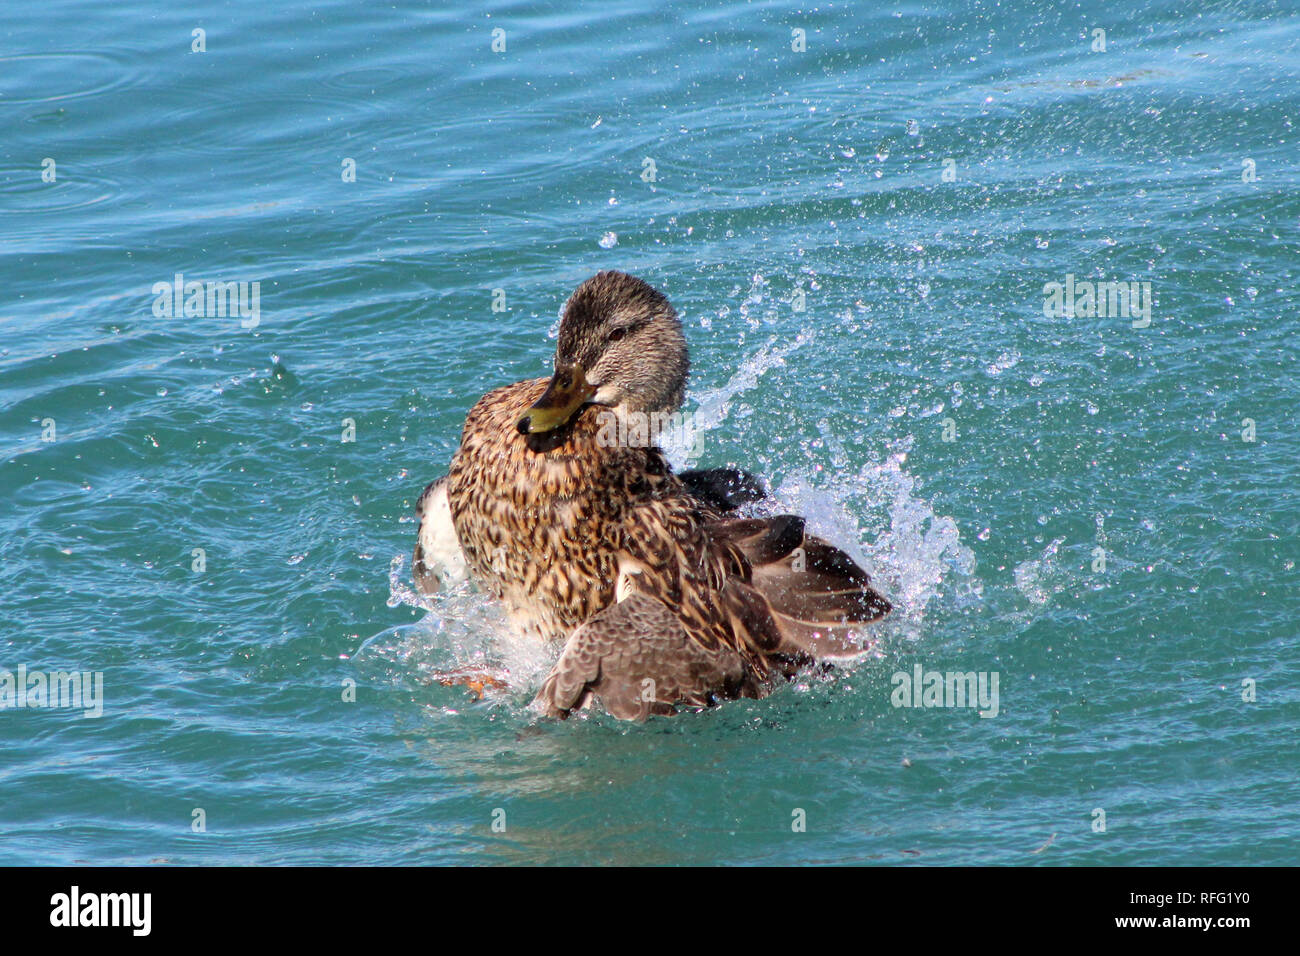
567,392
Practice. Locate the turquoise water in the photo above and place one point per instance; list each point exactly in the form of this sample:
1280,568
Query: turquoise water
1097,532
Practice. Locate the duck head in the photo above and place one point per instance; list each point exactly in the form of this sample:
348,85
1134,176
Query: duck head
620,346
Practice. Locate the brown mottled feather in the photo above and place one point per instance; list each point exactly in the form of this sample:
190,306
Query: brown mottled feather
548,522
635,659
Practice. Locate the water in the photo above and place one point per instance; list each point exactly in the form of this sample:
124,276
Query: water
780,179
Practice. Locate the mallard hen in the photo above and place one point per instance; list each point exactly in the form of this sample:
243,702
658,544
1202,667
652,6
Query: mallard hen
588,538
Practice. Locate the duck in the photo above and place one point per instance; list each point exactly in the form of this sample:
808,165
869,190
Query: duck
438,564
659,596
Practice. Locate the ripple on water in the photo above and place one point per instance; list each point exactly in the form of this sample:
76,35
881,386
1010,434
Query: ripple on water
23,191
216,124
67,75
373,80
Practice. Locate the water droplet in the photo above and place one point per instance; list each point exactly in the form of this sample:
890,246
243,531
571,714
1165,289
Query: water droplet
608,241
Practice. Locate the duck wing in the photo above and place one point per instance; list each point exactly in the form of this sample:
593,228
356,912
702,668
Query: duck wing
634,658
437,560
818,596
723,489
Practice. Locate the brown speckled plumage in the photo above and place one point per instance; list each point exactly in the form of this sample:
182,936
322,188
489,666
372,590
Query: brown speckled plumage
661,599
530,512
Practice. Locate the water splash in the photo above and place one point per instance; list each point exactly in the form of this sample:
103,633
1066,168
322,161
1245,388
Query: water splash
464,632
1039,578
878,517
873,510
714,405
400,591
754,298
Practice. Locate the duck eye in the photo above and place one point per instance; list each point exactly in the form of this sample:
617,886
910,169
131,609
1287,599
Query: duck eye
616,335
